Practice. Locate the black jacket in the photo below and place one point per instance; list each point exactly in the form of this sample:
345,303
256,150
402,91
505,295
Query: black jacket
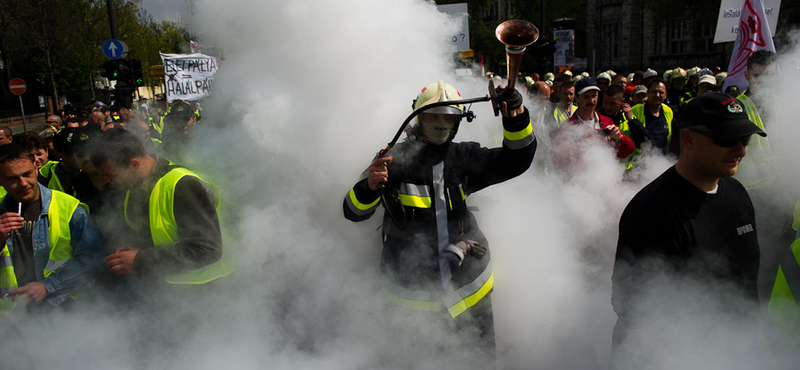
430,177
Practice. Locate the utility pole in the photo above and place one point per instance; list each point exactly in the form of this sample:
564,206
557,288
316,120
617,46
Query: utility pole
111,21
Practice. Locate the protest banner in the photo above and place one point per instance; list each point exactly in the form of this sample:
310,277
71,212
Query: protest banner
754,34
188,76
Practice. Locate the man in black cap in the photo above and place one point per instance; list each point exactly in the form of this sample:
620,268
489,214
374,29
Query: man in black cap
687,255
177,134
58,175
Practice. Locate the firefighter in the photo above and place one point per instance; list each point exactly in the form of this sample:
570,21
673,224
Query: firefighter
434,256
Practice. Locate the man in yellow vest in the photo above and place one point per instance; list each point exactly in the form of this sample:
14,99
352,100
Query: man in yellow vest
173,232
52,247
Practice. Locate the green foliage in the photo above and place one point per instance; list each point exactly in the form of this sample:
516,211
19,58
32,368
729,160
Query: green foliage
56,45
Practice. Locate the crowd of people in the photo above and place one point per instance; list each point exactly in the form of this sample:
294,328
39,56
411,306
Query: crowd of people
96,204
684,226
688,245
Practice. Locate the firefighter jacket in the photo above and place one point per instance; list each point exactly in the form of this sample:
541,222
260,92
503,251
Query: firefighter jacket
431,184
67,248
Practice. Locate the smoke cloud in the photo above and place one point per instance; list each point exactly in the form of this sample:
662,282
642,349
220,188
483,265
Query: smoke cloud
307,93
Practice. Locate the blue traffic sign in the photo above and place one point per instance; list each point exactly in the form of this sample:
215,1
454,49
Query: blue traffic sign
114,49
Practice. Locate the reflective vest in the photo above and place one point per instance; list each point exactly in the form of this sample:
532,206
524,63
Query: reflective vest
626,130
51,180
638,113
62,207
159,126
759,166
561,115
164,228
8,280
784,303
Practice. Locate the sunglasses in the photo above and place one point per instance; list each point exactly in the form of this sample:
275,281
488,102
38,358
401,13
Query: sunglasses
724,142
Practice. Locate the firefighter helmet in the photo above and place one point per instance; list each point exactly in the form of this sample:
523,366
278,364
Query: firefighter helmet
679,73
439,124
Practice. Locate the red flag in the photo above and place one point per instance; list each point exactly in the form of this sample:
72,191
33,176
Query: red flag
754,34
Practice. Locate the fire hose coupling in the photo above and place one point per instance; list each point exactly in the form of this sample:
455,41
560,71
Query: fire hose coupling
456,253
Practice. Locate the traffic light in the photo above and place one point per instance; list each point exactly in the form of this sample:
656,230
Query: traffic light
111,68
124,68
136,71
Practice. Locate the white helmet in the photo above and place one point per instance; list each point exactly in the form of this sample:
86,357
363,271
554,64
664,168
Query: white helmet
446,118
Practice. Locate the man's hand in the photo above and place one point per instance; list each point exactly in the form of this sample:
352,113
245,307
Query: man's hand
9,222
120,263
378,172
33,291
626,109
614,133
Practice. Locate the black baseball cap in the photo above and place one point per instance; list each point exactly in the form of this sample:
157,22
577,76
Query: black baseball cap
83,136
724,115
63,139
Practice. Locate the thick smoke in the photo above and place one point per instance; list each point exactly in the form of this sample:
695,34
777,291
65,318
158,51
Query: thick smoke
307,93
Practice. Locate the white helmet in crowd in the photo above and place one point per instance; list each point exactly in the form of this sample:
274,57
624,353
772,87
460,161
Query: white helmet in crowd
438,125
567,73
611,73
721,78
548,76
679,73
604,76
650,73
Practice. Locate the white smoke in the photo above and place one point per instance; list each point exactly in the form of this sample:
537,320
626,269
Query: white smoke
307,93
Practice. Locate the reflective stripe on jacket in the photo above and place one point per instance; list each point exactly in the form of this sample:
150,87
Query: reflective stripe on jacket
430,184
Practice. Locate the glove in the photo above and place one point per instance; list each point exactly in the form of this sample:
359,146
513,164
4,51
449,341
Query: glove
511,97
455,253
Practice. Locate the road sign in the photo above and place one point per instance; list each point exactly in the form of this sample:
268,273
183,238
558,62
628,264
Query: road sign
157,71
114,49
17,86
